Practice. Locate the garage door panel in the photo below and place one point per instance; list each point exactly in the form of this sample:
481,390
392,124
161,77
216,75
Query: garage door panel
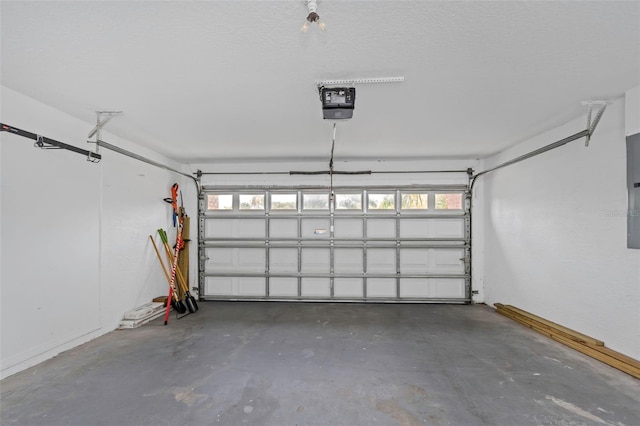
219,286
415,228
283,228
220,228
236,228
381,260
381,228
432,228
348,287
382,288
315,260
447,228
283,259
432,288
250,259
315,228
448,261
448,256
348,228
236,259
431,261
250,228
453,288
316,287
236,286
414,260
283,287
348,260
251,286
220,259
416,288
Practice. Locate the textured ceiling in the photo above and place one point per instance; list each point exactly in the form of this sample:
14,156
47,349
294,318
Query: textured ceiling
232,80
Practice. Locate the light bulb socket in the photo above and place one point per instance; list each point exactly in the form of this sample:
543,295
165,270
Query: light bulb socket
312,5
313,17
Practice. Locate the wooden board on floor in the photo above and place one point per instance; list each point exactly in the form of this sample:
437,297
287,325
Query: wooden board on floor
567,331
607,356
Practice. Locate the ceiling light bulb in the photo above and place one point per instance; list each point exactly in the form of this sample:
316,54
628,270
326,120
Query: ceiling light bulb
313,16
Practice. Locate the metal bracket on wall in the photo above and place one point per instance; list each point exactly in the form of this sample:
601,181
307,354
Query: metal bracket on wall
47,143
591,126
102,118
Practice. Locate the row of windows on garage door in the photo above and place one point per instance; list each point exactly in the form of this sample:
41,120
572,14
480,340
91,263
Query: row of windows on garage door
375,201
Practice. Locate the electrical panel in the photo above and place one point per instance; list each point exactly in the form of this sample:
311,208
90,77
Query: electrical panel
633,185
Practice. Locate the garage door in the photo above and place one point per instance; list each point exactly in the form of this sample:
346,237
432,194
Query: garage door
378,244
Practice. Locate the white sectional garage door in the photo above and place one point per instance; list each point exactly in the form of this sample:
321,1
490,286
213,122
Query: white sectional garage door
379,244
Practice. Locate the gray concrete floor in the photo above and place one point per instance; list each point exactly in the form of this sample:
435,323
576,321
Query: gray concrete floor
323,364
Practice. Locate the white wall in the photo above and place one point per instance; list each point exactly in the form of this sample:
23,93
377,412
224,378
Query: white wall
555,233
75,253
632,111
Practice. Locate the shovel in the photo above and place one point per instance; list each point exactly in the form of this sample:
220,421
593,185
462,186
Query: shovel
175,302
192,305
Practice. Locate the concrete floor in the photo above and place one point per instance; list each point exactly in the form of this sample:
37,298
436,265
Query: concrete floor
323,364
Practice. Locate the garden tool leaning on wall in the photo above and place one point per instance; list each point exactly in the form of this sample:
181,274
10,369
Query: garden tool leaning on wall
174,262
183,257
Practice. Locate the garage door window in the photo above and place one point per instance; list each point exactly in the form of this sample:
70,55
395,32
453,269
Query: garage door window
284,201
251,201
348,201
381,201
415,201
452,201
315,201
220,202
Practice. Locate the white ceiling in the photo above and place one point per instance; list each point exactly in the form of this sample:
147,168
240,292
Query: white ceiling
232,80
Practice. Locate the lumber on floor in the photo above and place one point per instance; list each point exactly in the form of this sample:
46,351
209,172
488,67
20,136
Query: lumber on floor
568,333
578,341
571,334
